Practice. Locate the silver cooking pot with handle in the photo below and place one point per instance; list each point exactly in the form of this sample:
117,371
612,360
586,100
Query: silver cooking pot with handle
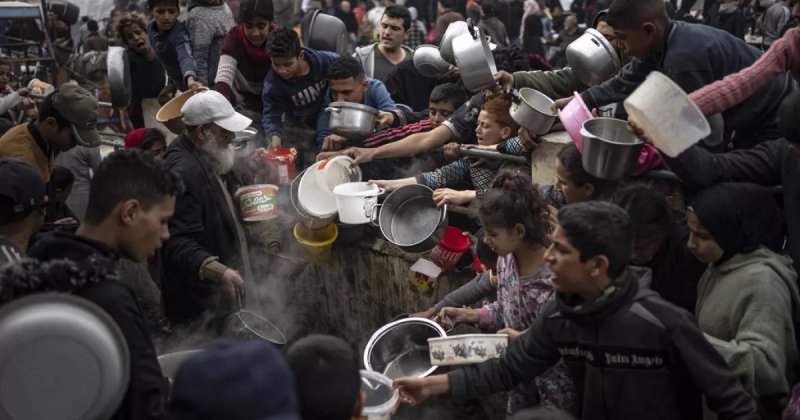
593,59
351,120
446,45
532,109
410,219
119,76
400,348
474,59
326,33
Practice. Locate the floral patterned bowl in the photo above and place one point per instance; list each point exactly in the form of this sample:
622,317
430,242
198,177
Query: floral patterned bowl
466,349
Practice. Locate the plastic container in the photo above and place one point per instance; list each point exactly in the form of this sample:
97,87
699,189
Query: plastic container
316,243
380,397
574,114
424,277
354,201
466,349
665,112
281,164
336,171
450,249
258,202
317,202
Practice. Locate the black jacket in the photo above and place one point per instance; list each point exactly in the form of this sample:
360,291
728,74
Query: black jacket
8,252
696,55
202,227
632,356
148,389
769,164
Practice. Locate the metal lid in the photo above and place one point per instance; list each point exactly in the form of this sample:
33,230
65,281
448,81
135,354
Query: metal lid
352,105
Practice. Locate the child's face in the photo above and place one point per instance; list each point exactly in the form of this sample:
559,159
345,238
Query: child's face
256,30
501,240
5,75
636,42
165,15
61,194
136,38
287,67
439,112
572,193
700,242
158,149
488,131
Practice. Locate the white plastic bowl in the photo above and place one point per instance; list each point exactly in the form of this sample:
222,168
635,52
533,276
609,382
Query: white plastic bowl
466,349
666,114
380,397
336,171
354,201
316,201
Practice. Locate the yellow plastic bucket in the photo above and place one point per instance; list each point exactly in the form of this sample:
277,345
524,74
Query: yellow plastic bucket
316,243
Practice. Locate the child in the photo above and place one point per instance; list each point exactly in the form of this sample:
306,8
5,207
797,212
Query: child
573,183
148,139
171,41
10,98
208,21
747,303
628,351
495,125
326,377
516,224
148,78
58,211
293,92
245,62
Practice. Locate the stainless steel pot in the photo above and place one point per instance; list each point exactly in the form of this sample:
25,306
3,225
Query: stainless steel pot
410,219
532,110
610,151
400,348
593,59
474,60
245,143
61,357
354,121
429,62
326,33
446,44
119,77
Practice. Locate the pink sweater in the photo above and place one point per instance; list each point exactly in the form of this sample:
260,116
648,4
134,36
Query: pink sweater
782,56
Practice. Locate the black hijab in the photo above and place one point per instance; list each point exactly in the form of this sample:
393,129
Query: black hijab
740,217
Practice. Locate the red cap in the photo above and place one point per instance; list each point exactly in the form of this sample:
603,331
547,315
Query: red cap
134,139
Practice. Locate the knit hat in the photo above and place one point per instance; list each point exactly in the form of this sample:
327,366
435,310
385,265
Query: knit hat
235,380
134,139
22,188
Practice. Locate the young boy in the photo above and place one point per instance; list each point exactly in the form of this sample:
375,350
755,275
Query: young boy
9,98
131,200
326,377
630,353
171,40
294,91
208,21
57,210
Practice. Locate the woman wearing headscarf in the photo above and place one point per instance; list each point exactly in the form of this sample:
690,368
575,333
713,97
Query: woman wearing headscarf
747,303
532,29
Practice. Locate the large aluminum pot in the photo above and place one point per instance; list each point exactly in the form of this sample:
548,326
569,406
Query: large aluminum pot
326,33
429,62
61,357
446,44
593,58
400,348
245,143
354,121
532,109
119,76
610,151
474,60
410,219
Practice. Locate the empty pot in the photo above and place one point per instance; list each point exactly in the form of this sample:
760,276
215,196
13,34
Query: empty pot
400,348
354,201
593,58
350,120
429,62
610,151
410,219
446,45
474,60
532,109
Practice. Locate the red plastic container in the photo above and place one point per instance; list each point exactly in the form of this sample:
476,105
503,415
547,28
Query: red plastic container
281,163
450,249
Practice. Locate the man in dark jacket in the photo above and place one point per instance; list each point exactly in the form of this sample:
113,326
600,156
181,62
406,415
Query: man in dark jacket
630,353
692,55
208,249
131,199
23,198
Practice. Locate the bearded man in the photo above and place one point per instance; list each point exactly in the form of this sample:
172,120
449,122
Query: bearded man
206,257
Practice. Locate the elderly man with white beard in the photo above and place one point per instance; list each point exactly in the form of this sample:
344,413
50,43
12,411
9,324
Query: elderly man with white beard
206,257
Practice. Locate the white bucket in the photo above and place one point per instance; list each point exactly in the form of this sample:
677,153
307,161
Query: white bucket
665,112
354,201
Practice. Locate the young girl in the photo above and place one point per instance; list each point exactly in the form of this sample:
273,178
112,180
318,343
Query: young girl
515,220
747,300
495,125
245,61
573,183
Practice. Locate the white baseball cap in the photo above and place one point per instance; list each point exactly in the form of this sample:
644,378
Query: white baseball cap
211,107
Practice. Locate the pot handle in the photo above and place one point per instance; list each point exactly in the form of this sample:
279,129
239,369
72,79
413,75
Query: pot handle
444,213
332,109
238,299
471,28
372,213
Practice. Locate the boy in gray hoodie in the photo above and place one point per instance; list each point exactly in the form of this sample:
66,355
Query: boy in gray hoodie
208,21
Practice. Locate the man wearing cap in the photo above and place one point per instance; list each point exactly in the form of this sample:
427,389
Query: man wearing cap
206,258
66,118
23,198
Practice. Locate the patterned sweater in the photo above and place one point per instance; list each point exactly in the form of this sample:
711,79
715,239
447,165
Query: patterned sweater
207,26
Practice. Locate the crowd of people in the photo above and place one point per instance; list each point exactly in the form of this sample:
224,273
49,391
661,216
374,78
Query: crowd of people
671,293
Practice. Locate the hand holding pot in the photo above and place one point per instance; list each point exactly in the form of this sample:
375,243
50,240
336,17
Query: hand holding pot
230,281
427,314
444,196
505,80
450,151
360,155
640,133
333,142
511,333
528,140
561,103
451,73
458,316
384,118
412,390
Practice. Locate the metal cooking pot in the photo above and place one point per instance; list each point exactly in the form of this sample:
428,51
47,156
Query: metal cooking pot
446,44
309,220
244,144
474,59
61,357
119,77
532,110
354,121
410,219
610,151
429,62
326,33
400,348
593,58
